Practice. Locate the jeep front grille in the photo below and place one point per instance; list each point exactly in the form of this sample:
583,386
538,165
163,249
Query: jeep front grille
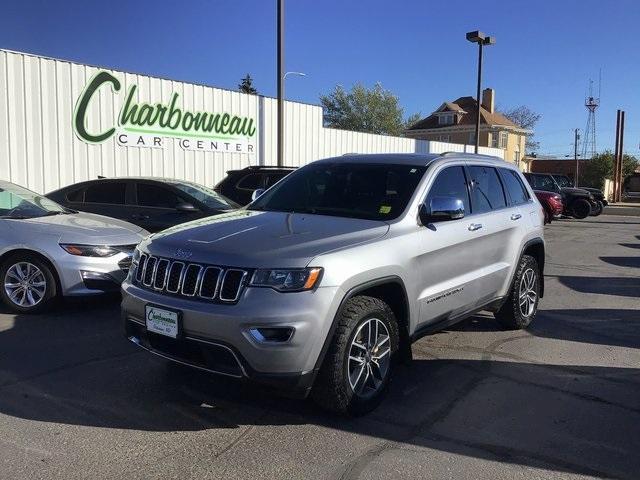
205,282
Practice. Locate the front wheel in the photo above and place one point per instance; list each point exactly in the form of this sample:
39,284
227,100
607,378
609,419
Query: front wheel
598,209
580,208
521,305
356,370
28,285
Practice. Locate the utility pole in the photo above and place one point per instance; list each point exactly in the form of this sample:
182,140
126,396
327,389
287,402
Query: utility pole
575,155
621,150
280,68
616,179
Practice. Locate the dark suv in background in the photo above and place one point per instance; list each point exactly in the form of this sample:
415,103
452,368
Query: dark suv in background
578,203
565,181
151,203
239,185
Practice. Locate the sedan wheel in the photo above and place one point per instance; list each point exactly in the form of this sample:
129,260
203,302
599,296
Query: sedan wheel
27,283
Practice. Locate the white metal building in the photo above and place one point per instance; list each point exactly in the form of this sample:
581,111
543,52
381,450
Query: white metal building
63,122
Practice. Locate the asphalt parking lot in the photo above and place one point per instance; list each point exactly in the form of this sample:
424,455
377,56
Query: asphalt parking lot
561,400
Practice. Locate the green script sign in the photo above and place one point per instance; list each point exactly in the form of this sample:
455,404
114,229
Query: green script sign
149,123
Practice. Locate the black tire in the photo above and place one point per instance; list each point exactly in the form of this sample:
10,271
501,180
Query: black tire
598,209
332,389
50,287
511,316
580,208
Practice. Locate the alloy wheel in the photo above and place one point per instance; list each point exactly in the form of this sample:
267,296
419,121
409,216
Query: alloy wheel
369,358
25,284
528,296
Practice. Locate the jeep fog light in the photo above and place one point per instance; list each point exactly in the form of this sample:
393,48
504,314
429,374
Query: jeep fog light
272,334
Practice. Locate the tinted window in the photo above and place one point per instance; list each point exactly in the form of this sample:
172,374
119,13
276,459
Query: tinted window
451,182
486,191
106,192
542,182
76,195
251,182
357,190
150,195
514,186
274,178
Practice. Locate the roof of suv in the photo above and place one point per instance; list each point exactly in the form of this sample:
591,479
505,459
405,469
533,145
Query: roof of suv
417,159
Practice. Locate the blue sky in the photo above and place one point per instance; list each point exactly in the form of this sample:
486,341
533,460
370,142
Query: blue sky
546,50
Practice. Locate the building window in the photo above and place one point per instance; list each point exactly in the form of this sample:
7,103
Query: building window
502,143
494,139
472,138
446,119
516,158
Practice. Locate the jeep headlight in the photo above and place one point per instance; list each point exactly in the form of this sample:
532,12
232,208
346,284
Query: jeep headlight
287,280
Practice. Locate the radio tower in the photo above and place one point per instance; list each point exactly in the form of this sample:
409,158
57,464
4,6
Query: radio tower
592,103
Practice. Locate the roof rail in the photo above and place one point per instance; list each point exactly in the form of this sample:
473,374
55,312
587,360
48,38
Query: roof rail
259,167
444,154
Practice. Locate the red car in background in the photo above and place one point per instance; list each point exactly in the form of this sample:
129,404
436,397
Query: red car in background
551,204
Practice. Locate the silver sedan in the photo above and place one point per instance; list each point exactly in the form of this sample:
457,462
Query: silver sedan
47,250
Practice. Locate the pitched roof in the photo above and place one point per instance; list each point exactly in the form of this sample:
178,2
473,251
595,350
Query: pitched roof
467,106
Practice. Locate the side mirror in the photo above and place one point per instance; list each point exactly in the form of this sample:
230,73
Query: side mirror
256,193
186,207
441,209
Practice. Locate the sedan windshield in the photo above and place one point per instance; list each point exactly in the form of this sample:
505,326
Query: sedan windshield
356,190
18,202
209,197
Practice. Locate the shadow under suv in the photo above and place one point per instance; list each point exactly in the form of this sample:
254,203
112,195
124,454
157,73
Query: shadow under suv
323,282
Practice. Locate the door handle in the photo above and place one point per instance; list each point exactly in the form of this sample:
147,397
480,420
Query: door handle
475,226
516,216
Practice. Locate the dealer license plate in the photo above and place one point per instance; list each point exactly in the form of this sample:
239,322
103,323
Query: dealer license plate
164,322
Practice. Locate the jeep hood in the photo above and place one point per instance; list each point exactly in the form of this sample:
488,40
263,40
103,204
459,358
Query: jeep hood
255,239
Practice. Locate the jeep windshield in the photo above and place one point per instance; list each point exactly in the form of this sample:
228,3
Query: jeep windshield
356,190
563,181
19,203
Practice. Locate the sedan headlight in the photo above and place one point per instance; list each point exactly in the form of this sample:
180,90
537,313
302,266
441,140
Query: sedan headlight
89,250
287,280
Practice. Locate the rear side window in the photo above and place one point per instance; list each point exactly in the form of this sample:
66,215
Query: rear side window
517,192
150,195
76,195
451,182
107,192
274,178
486,189
251,182
542,182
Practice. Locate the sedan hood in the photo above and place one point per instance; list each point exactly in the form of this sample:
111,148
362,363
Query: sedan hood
253,239
87,228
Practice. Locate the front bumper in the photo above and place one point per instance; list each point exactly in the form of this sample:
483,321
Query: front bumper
217,338
91,275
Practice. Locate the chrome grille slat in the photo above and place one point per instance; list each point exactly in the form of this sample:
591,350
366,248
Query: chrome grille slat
193,280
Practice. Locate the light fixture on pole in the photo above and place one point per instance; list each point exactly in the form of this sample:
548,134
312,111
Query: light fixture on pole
481,39
299,74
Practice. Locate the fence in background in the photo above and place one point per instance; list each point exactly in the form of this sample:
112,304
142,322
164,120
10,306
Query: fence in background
40,150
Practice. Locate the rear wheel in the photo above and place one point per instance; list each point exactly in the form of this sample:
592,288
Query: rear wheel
597,210
356,370
28,284
521,306
580,208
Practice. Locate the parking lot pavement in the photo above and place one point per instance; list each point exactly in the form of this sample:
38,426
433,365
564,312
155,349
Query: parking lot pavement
561,400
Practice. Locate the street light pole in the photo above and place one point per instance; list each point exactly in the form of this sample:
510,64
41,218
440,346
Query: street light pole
280,68
481,39
575,156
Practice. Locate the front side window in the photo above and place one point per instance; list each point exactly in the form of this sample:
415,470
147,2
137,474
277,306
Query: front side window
451,182
563,180
205,195
150,195
355,190
251,182
517,192
543,182
486,190
108,192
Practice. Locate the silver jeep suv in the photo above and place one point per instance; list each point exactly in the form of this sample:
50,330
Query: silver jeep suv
321,283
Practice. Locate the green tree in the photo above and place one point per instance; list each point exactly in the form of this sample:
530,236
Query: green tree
411,119
601,166
525,118
246,86
371,110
